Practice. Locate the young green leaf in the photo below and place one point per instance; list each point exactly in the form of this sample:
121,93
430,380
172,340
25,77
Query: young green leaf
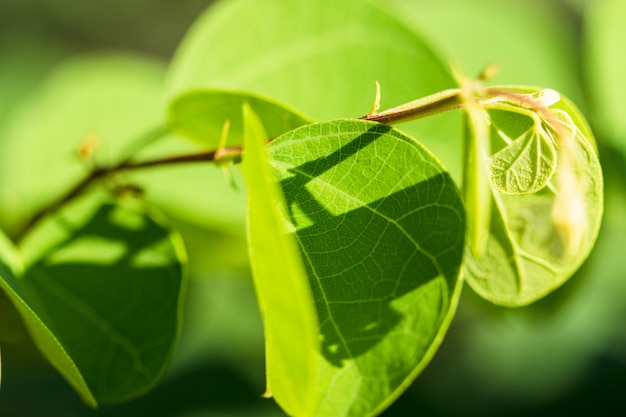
526,163
98,103
539,238
320,57
381,229
99,290
285,299
199,115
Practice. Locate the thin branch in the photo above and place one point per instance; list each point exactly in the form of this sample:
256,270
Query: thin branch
98,173
436,103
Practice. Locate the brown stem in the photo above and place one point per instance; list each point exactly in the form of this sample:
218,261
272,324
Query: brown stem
443,101
98,173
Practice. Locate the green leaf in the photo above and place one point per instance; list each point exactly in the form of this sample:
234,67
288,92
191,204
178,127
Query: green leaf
525,164
200,115
99,287
606,65
539,239
320,57
285,298
381,230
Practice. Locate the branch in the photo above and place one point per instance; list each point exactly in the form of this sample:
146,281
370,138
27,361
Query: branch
98,173
440,102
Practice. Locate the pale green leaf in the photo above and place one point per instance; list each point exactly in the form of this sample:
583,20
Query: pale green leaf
381,229
539,239
532,41
282,287
99,289
200,115
105,101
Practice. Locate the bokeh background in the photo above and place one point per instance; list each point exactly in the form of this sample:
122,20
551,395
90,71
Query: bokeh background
565,355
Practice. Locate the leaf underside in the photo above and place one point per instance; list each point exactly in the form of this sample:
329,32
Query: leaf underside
539,235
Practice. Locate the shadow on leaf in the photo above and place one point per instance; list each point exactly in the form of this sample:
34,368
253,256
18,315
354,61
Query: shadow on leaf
362,261
109,291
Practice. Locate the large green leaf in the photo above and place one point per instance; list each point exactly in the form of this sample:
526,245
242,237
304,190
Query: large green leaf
320,57
538,238
200,115
281,283
99,288
381,231
606,65
532,41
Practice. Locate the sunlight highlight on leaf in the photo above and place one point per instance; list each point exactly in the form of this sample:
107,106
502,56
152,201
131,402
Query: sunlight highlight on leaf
282,287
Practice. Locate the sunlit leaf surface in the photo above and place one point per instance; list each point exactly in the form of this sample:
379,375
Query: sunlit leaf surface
381,229
285,298
606,65
543,224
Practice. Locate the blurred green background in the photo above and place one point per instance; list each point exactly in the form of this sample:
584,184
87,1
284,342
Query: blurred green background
563,355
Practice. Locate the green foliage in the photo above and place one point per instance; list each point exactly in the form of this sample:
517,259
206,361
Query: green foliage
358,237
546,214
106,100
385,293
310,51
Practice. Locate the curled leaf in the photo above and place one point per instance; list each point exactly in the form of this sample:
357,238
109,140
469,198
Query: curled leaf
547,198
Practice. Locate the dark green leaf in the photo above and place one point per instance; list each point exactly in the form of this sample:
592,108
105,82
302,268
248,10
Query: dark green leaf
381,230
99,291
